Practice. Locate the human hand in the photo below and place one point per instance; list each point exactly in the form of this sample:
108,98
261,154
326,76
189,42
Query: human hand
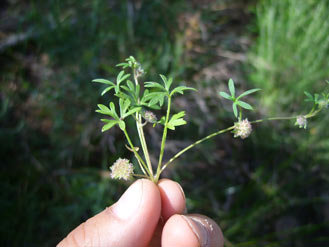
147,215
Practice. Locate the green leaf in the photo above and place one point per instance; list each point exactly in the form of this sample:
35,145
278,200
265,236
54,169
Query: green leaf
309,96
123,65
109,125
112,107
132,111
106,111
131,85
104,108
181,90
107,90
122,125
225,95
235,109
248,92
103,81
176,120
121,77
166,82
150,84
231,87
154,98
245,105
123,104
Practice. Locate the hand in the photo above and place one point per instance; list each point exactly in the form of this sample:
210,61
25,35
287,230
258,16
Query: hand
147,215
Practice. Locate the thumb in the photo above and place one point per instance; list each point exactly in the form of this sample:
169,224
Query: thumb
129,222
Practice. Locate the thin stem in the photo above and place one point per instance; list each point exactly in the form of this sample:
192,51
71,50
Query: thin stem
141,176
221,132
163,142
137,155
141,135
272,118
194,144
240,113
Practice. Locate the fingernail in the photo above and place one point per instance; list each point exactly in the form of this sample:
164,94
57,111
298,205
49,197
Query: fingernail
199,229
129,202
181,189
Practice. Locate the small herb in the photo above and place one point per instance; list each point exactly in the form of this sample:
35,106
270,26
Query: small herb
138,104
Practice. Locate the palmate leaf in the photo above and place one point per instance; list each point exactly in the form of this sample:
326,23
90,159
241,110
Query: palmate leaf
167,82
107,82
154,85
123,65
121,77
124,105
181,90
153,98
309,96
109,124
132,111
106,111
176,120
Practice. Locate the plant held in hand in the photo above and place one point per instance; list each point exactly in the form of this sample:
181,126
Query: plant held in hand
138,104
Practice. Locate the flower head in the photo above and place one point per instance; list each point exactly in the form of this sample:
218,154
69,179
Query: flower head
150,117
139,70
301,121
122,169
242,128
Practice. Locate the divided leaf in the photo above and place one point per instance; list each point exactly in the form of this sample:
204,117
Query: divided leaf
181,90
176,120
109,125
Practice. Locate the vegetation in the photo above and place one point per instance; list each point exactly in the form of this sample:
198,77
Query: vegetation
267,190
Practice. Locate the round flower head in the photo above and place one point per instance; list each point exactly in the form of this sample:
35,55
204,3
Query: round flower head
139,71
242,128
301,121
122,169
150,117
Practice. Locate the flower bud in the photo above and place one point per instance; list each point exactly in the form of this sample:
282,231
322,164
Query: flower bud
242,129
122,169
139,70
301,121
150,117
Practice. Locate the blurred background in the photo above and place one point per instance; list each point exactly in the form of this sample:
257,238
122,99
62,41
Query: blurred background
268,190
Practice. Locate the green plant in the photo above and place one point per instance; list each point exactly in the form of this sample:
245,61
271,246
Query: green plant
136,104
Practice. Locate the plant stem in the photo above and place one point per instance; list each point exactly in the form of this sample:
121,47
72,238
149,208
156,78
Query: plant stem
141,135
218,133
272,118
194,144
137,156
163,142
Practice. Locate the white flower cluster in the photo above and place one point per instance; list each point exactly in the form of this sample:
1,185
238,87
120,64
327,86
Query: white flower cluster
122,169
242,129
301,121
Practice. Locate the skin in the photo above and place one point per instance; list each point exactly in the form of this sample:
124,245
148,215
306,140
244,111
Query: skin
147,215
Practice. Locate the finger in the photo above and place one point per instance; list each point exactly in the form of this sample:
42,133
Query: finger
129,222
191,231
172,198
172,202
